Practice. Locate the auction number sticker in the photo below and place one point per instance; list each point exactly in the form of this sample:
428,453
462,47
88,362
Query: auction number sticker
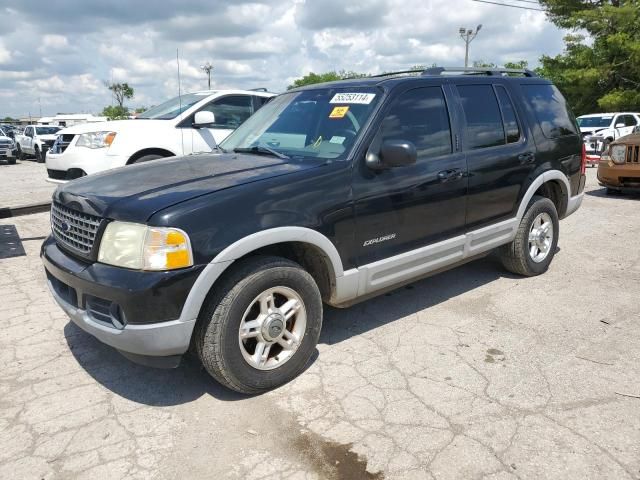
361,98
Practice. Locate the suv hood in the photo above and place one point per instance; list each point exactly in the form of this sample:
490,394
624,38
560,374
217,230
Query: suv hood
134,193
112,126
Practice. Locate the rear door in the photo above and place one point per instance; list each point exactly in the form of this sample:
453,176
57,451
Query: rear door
404,208
499,154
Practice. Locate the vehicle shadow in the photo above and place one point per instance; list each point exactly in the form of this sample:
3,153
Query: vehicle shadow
188,382
602,193
341,324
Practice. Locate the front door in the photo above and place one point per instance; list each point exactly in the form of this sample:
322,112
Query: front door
229,111
404,208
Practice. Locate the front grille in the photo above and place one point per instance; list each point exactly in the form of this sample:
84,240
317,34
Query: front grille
57,174
6,143
633,154
61,143
74,230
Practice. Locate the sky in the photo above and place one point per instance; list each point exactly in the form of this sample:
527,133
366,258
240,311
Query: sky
55,56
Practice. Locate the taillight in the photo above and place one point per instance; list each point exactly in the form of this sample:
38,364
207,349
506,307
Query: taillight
583,163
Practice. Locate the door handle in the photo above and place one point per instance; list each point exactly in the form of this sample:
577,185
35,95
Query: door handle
528,157
448,175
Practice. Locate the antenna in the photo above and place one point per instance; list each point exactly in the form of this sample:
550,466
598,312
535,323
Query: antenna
180,100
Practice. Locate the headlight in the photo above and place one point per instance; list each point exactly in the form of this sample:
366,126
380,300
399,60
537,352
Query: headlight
140,247
618,154
96,139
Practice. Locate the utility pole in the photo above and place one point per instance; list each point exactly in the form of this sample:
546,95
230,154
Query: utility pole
468,36
207,67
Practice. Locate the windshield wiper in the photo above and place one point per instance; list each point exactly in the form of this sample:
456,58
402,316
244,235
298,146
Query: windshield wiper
261,150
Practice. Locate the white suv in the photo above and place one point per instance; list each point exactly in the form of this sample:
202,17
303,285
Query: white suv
192,123
600,129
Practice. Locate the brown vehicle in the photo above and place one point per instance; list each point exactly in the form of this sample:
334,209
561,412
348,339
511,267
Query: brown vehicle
619,167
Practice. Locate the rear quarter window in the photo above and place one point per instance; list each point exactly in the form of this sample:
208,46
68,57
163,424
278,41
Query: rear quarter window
551,110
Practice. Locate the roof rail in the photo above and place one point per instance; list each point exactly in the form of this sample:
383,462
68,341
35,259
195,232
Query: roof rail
259,89
388,74
490,71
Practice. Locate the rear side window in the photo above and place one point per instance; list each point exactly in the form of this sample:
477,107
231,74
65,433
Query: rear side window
509,115
481,111
421,117
551,110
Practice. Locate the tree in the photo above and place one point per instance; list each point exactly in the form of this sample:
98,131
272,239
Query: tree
115,112
312,78
604,72
121,91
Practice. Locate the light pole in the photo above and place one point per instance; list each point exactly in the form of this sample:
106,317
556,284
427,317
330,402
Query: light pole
468,36
207,67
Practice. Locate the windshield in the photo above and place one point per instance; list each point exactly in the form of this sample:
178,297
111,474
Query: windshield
595,122
174,107
322,123
46,130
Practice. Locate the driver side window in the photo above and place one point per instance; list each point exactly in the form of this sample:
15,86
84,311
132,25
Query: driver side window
420,116
230,111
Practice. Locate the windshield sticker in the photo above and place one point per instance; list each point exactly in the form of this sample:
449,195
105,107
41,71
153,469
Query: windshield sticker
362,98
338,112
338,140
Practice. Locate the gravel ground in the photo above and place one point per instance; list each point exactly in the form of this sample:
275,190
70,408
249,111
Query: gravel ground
24,184
473,373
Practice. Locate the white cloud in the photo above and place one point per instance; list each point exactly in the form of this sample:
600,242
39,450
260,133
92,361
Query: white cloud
250,44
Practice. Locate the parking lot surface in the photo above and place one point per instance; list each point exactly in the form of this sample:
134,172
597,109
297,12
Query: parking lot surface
473,373
24,184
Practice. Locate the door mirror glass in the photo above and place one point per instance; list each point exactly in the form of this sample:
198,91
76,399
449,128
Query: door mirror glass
393,153
203,118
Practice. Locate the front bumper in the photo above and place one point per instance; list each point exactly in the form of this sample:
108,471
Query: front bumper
136,312
65,166
7,153
625,176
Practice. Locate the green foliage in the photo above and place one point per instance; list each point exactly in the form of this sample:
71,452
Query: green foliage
140,110
121,91
9,120
602,74
115,112
313,78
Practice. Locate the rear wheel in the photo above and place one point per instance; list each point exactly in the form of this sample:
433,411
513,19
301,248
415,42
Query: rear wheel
260,326
531,252
19,154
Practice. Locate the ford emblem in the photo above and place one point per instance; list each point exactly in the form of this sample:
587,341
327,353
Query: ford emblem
65,227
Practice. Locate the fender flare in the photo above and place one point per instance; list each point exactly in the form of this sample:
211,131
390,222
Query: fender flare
541,179
248,244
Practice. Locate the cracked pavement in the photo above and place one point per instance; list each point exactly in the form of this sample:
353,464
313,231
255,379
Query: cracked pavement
474,373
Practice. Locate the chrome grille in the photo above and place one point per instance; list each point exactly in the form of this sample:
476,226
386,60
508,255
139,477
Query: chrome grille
6,143
73,229
633,154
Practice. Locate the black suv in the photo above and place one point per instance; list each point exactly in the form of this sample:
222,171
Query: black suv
331,193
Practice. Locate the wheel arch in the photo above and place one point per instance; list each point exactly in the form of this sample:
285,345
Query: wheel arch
150,151
553,185
311,249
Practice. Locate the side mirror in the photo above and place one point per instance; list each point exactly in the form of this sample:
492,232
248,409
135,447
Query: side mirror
203,118
620,125
393,153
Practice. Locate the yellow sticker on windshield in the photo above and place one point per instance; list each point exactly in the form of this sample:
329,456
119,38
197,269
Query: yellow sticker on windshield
338,112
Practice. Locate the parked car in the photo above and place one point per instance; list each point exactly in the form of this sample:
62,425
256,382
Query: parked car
7,148
330,193
600,129
619,168
35,141
191,123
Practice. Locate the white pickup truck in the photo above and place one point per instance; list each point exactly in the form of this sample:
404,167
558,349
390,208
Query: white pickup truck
600,129
192,123
35,141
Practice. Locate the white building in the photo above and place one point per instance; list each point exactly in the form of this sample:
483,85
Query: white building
67,120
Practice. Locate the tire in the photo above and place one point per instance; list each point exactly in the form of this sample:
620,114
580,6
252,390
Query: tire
517,256
146,158
40,156
235,301
19,154
36,154
612,191
11,161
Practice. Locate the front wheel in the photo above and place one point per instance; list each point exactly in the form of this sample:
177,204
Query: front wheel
19,154
531,252
260,326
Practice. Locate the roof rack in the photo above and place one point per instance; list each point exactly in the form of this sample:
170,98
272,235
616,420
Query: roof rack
490,71
259,89
388,74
